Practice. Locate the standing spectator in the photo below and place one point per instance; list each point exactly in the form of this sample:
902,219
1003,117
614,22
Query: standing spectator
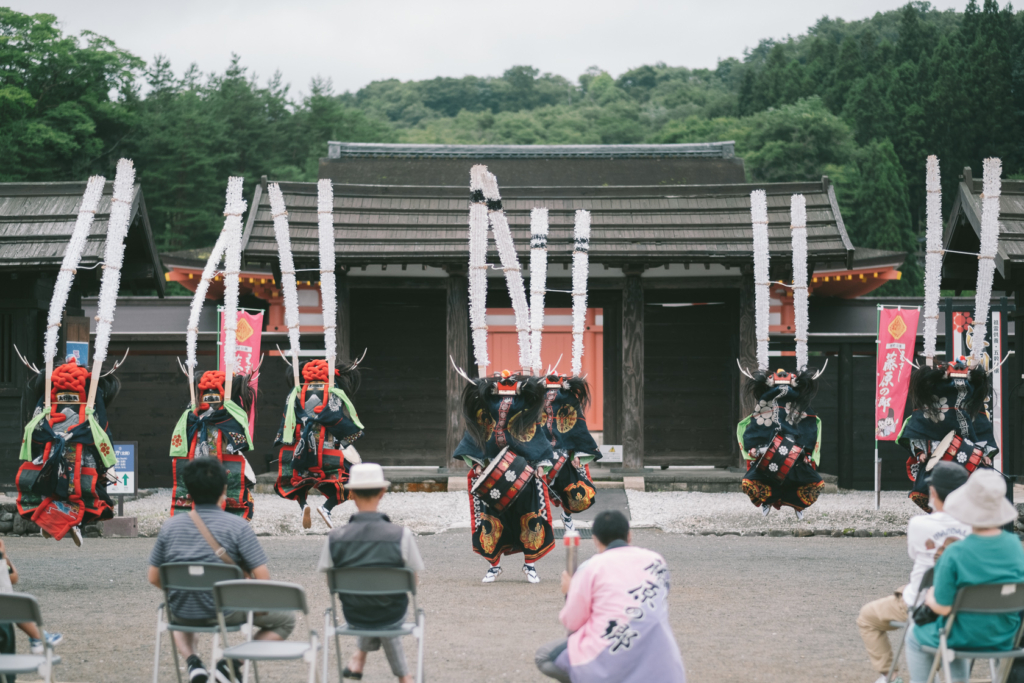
927,537
989,555
616,611
371,540
181,541
9,577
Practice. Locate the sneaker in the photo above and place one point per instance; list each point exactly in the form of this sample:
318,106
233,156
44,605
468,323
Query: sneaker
492,574
765,509
76,535
531,573
799,515
325,515
567,522
307,520
52,639
222,675
197,673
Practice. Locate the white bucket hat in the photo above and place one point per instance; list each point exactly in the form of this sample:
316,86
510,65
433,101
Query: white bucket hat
981,502
366,475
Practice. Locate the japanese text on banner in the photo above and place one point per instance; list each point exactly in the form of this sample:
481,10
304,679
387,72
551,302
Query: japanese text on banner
897,336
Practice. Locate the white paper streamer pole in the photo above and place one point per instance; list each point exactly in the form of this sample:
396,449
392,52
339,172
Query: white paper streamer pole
759,219
933,257
991,187
192,331
798,232
478,268
580,268
289,290
113,258
233,210
72,255
538,281
328,289
510,264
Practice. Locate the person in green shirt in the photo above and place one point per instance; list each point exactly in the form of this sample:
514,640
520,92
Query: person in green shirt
989,555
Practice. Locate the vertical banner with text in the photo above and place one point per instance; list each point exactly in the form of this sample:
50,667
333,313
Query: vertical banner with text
897,335
247,350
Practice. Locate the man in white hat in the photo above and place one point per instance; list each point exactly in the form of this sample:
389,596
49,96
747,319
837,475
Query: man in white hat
371,540
989,555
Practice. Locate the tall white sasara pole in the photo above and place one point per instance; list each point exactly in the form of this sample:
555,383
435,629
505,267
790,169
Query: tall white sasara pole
478,267
328,290
233,210
289,289
538,281
759,220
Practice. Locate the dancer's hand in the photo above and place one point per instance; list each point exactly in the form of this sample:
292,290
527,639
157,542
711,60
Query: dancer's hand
576,461
566,581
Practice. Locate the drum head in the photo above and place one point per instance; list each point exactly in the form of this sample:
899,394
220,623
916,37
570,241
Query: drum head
936,455
495,461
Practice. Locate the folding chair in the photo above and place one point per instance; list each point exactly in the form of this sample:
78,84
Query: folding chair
264,596
19,608
992,598
372,581
926,583
188,577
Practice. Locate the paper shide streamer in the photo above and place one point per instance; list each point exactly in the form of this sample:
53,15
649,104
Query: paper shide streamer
289,288
478,267
113,259
759,221
538,281
328,288
798,234
510,264
933,256
66,275
580,269
991,189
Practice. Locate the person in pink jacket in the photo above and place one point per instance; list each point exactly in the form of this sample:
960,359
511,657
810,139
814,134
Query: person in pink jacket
616,611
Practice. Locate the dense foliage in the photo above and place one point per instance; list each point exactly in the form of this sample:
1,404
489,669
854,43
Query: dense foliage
863,102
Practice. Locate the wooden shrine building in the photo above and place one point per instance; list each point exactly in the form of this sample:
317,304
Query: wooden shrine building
670,228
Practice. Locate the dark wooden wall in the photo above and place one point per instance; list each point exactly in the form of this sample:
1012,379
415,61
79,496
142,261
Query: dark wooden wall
689,374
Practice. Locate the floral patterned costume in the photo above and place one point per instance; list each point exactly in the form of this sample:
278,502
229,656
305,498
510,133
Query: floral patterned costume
565,426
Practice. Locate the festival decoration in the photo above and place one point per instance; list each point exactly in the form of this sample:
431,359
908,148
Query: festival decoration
897,337
233,210
192,331
991,186
289,289
933,257
478,268
759,220
798,234
580,269
328,288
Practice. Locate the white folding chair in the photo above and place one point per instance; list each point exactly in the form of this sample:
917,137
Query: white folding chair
371,581
20,608
263,596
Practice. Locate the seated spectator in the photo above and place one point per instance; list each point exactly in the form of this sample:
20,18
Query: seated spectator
616,611
8,579
927,538
371,540
181,541
989,555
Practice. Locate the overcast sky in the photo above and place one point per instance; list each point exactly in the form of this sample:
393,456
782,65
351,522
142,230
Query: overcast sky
356,42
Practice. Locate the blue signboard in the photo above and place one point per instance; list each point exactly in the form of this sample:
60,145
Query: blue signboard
127,469
79,350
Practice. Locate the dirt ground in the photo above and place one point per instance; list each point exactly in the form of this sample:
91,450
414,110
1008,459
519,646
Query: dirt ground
743,609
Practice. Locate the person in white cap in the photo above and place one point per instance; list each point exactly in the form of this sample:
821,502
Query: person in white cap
989,555
371,540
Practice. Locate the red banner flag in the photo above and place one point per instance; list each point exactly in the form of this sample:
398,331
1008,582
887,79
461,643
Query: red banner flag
897,335
247,350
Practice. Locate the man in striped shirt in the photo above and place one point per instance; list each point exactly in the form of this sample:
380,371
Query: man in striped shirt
181,541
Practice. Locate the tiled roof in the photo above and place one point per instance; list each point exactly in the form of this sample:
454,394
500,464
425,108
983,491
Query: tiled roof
630,225
37,219
720,150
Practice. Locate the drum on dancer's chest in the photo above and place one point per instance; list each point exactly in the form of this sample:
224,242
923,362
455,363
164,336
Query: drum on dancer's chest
777,462
504,478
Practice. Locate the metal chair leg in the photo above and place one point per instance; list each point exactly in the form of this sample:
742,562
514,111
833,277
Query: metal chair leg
421,618
326,650
156,655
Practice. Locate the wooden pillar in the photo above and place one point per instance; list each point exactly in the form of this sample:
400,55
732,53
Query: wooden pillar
632,394
613,370
1013,453
747,341
458,348
845,425
344,315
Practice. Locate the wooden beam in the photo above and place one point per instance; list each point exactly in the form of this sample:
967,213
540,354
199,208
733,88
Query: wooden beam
457,316
632,393
344,316
612,370
845,426
748,339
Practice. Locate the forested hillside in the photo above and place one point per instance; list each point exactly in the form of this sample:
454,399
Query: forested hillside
863,102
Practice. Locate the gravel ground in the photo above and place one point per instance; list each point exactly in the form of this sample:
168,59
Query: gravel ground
743,609
682,512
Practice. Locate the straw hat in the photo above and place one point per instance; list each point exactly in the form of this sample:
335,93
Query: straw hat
981,502
366,475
